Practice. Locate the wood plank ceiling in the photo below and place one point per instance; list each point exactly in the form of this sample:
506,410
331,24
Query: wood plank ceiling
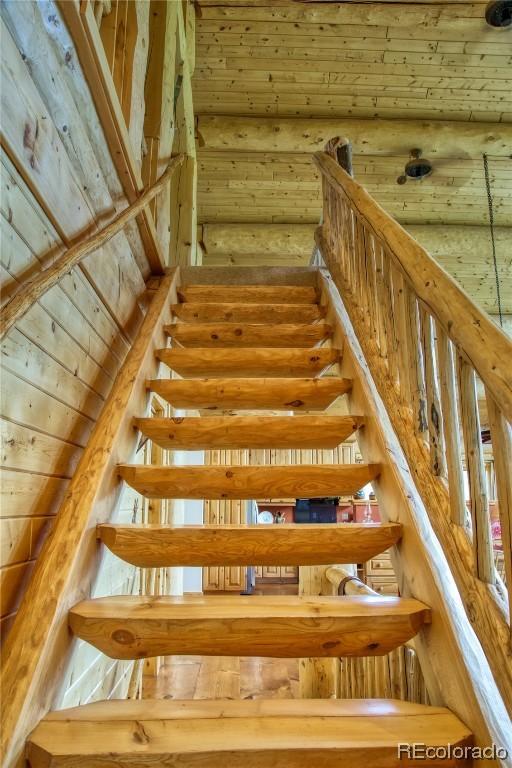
286,59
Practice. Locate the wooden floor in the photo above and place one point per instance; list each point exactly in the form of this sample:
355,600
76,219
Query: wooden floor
233,677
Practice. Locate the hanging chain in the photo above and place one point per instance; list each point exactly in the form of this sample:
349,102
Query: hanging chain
493,242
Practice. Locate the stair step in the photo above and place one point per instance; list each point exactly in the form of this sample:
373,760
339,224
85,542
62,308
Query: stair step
248,313
250,394
249,482
285,626
249,362
192,433
160,546
273,733
249,334
249,294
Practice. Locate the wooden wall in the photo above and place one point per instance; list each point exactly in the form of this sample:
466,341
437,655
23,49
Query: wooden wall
59,179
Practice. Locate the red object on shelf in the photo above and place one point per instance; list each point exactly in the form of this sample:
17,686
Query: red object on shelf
366,511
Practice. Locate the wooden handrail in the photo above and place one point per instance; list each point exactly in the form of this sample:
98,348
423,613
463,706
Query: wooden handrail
346,583
486,347
34,289
424,341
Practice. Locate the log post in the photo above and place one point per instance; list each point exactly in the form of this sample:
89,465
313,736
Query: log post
318,678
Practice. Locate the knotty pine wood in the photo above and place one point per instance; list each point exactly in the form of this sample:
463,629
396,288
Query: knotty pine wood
248,334
247,313
225,734
416,568
254,362
250,294
243,482
42,614
284,626
207,432
254,393
161,546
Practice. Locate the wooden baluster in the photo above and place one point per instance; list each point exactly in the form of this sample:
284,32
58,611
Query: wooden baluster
361,271
371,274
435,418
451,427
401,335
389,315
381,301
482,543
501,437
415,363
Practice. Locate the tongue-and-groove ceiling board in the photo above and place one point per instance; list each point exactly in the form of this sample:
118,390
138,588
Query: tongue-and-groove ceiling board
372,60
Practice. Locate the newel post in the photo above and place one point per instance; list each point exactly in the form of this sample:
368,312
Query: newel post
340,149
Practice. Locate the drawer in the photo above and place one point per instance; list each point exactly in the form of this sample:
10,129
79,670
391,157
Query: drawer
384,585
379,565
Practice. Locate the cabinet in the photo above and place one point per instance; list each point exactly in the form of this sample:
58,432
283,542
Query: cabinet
378,573
277,573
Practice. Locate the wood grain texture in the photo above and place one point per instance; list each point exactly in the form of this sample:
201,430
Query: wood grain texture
439,575
486,345
286,544
248,334
91,54
249,362
36,288
38,642
226,734
283,625
254,393
236,482
250,294
247,313
191,433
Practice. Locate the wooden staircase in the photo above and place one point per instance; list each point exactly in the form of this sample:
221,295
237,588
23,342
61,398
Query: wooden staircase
246,348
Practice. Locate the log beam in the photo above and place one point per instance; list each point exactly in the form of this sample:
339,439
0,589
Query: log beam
464,251
436,138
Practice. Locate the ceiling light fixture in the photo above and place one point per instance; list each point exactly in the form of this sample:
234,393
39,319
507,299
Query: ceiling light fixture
416,169
498,13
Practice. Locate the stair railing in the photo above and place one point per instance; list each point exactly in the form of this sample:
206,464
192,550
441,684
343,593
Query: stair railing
438,362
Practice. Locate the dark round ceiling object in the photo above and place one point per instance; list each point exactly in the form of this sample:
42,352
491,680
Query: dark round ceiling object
401,179
499,13
418,168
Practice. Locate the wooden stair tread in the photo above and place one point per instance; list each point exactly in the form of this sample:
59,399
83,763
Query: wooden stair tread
250,294
247,482
220,734
287,626
248,431
260,361
288,394
159,546
249,334
249,313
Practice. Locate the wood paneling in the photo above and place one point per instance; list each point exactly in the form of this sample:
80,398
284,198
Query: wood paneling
407,61
237,186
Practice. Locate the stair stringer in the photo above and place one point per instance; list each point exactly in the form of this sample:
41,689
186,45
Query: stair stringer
454,665
38,647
